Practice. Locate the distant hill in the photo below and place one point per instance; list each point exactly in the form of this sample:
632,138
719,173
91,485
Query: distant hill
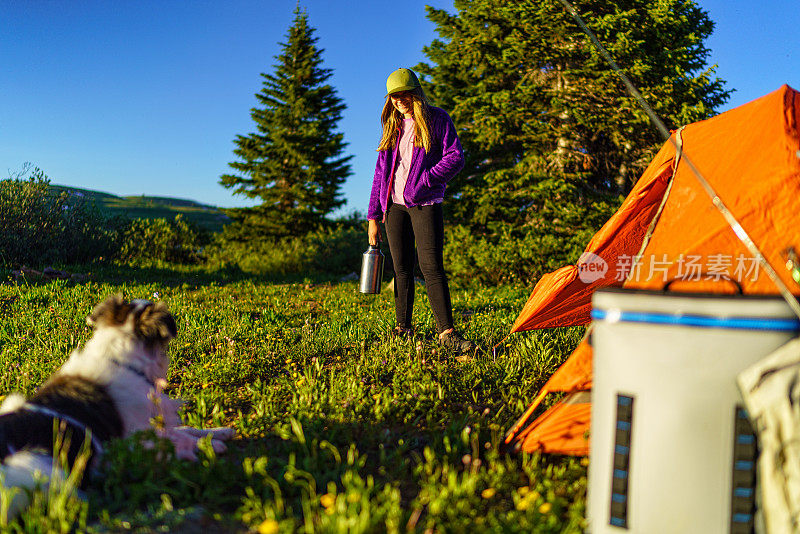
145,207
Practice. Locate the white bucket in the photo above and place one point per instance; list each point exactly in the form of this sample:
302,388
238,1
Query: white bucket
671,449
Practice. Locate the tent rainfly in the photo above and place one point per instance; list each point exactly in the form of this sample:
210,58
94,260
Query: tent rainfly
668,231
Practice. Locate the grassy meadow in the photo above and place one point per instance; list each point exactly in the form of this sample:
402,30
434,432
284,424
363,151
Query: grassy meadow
340,428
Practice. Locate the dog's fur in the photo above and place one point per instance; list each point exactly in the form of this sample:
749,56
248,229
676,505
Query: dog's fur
110,388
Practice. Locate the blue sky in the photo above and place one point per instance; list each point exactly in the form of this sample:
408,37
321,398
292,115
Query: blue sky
146,97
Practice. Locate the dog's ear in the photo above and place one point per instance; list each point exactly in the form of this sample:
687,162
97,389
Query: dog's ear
155,324
111,312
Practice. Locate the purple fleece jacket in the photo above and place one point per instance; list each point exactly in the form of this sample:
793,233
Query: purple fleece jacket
429,172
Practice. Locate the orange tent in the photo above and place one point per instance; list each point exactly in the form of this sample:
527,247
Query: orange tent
669,229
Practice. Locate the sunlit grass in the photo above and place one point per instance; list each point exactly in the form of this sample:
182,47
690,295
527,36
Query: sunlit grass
340,427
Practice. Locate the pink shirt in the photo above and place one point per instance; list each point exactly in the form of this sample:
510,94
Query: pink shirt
406,149
405,152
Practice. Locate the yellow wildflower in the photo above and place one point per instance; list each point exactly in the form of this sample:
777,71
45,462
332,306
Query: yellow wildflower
488,493
327,500
268,526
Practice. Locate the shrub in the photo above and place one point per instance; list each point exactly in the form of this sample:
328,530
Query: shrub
333,250
176,241
506,257
39,226
505,253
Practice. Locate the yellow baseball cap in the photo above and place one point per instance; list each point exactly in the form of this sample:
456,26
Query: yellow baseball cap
401,80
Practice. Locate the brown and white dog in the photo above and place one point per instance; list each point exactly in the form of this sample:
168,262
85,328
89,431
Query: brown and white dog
111,388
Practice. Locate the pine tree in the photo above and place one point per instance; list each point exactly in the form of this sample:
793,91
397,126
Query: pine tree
547,126
293,162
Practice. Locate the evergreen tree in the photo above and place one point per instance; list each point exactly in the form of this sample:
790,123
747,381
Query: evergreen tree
293,162
547,126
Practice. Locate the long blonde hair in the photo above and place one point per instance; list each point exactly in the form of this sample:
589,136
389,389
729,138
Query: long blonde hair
391,119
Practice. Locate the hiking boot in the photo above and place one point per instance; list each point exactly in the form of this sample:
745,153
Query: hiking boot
459,345
401,332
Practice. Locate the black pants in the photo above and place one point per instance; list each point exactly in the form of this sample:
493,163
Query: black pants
424,224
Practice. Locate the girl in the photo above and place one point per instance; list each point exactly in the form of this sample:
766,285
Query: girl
418,154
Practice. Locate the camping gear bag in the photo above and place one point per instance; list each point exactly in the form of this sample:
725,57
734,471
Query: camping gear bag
771,392
671,447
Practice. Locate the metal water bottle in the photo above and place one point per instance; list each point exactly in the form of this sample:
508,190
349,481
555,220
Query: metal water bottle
371,271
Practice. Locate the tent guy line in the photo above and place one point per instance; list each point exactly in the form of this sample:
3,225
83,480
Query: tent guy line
735,225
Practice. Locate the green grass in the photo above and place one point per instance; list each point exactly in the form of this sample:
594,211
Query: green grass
339,427
148,207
